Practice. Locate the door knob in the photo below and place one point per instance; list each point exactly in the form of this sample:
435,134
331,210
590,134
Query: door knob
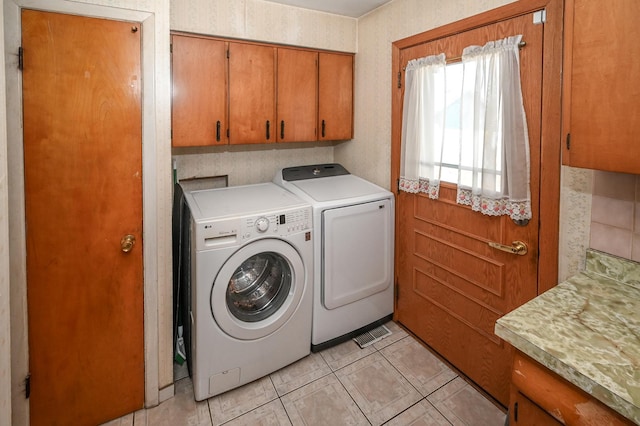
516,247
127,242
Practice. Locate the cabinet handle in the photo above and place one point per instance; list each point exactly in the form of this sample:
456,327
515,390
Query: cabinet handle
323,127
268,130
282,129
218,131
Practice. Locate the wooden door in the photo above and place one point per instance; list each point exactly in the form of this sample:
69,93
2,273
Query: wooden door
199,91
252,109
83,182
335,94
297,101
452,286
601,90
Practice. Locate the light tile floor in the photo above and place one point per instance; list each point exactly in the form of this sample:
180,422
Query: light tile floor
396,381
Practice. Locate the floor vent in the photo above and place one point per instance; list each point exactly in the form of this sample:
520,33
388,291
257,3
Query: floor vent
372,336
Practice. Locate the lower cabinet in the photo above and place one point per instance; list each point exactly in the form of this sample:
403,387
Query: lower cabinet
541,397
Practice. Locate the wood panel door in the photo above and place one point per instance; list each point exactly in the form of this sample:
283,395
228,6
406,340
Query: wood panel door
252,93
199,91
452,286
335,88
297,105
83,192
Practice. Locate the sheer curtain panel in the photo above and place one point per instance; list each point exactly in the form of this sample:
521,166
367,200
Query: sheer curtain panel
493,176
423,125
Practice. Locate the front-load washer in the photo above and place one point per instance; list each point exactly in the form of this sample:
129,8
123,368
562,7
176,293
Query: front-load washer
353,220
251,294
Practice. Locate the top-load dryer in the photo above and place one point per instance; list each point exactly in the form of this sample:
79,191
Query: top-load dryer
353,221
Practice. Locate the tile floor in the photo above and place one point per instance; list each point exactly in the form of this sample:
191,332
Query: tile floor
395,381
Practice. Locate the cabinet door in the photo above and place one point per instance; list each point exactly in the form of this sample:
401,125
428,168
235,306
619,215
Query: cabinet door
251,93
297,105
199,91
335,94
601,92
525,412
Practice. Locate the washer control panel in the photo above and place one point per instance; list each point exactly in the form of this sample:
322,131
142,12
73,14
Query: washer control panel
277,223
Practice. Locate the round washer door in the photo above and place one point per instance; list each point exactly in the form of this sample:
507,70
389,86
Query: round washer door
258,289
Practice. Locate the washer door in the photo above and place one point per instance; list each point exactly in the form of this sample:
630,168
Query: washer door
258,289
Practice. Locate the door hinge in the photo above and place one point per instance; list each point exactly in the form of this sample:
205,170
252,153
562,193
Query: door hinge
399,79
396,290
515,412
27,386
228,53
568,140
20,58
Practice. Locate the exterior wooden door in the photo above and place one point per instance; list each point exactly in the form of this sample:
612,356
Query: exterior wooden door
83,183
453,286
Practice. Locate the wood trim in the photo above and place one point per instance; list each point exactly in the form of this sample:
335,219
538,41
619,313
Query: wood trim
258,43
551,118
550,150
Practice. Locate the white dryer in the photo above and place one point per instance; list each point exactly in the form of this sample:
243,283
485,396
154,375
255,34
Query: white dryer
353,220
251,294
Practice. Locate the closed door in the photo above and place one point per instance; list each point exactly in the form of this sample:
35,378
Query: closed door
258,289
357,252
297,88
252,93
83,183
452,285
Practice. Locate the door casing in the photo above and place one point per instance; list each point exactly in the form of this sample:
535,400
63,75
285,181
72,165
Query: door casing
156,204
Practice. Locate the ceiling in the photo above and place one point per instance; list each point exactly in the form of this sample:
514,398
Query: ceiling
352,8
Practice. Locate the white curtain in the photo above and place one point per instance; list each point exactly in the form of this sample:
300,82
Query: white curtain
493,177
492,139
423,125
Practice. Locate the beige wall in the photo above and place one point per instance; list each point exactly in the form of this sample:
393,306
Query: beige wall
261,21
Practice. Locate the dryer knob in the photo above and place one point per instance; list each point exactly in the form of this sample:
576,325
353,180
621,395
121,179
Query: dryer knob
262,224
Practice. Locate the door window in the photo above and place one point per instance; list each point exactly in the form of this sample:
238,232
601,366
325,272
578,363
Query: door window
259,287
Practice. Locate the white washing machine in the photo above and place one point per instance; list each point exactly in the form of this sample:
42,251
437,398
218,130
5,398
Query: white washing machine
251,294
353,220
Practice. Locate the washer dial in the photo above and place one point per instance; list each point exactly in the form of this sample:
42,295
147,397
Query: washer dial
262,224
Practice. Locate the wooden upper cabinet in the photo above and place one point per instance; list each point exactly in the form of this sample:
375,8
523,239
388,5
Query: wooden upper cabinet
601,92
237,92
252,85
297,100
335,96
199,91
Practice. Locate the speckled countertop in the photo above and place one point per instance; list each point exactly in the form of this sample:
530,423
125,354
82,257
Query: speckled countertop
587,330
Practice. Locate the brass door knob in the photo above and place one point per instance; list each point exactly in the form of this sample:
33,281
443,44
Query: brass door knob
516,247
127,242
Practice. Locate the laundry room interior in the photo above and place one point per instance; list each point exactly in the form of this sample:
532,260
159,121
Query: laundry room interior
434,306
